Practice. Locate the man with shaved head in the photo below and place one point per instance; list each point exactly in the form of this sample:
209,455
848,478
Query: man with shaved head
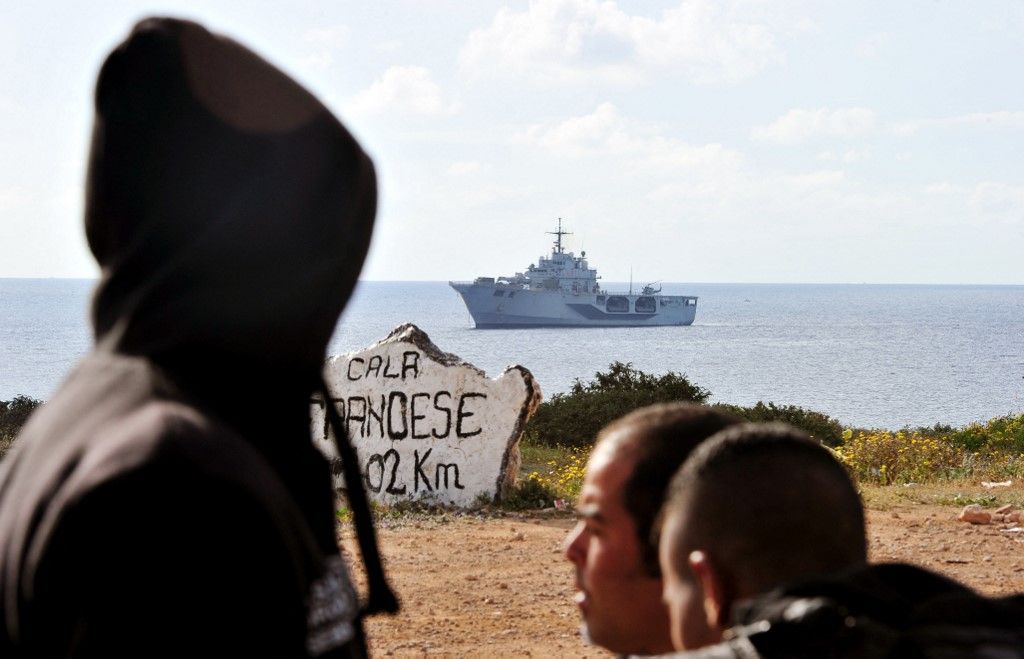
763,551
617,577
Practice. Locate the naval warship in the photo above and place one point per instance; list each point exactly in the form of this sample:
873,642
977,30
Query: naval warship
562,291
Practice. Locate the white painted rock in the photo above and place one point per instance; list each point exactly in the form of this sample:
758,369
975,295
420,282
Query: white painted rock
427,426
974,514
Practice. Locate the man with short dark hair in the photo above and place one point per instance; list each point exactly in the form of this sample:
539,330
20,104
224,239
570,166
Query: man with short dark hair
763,550
617,576
756,506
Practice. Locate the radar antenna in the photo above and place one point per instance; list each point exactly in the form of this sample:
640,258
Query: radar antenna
559,233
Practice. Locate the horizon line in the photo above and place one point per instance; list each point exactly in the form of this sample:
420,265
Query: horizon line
695,282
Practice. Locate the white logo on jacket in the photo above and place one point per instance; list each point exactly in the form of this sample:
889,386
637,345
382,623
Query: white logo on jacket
332,606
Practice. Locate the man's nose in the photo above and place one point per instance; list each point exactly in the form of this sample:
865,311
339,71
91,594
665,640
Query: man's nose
573,548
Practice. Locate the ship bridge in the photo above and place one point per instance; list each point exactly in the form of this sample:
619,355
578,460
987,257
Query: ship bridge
563,270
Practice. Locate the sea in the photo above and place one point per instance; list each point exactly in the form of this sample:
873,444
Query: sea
872,356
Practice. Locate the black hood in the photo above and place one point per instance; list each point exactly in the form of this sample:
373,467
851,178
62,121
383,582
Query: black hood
230,212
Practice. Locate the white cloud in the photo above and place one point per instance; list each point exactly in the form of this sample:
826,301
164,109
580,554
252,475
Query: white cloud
464,168
998,202
997,120
799,125
850,155
601,131
322,43
802,25
588,40
12,198
856,155
873,46
404,90
939,188
812,180
605,132
984,202
904,128
388,46
662,170
669,153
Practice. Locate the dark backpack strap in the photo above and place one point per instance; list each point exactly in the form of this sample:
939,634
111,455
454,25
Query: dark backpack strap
380,598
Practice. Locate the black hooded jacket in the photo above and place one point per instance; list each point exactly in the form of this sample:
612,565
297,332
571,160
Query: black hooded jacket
168,500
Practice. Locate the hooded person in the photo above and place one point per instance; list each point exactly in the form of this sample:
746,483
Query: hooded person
168,499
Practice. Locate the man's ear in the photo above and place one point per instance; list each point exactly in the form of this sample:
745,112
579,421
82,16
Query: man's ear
716,590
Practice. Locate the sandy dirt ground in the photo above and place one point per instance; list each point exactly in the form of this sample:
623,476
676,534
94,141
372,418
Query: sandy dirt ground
498,586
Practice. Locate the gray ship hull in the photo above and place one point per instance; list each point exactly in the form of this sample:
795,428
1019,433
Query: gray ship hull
494,306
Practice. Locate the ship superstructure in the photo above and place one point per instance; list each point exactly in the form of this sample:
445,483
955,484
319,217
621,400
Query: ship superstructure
562,290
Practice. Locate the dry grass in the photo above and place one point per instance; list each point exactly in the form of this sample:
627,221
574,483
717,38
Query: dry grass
947,493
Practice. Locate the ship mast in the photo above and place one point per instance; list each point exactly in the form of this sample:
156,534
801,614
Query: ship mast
559,233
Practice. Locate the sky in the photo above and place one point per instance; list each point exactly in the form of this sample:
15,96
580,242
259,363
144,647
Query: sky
681,141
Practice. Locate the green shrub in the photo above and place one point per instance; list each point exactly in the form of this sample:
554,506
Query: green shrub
1005,433
562,475
574,418
13,415
820,426
529,493
885,457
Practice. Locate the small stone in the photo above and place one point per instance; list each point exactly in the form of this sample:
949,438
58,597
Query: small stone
974,514
519,537
1004,509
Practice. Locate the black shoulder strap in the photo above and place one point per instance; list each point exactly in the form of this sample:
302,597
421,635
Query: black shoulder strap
380,598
